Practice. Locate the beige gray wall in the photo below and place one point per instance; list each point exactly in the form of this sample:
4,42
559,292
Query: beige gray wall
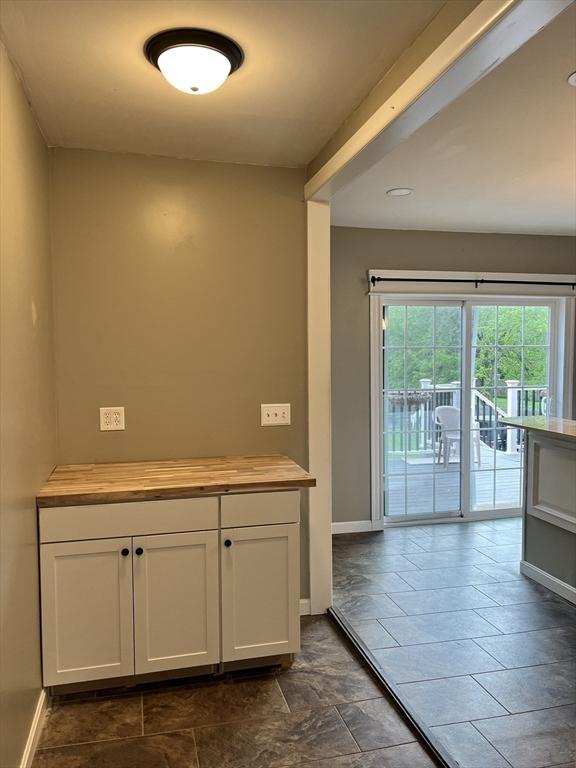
354,251
27,404
180,294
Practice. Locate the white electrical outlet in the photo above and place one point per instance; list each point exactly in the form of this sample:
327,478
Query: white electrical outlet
274,414
111,418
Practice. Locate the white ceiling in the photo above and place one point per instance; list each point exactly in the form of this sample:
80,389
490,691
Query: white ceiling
502,158
308,64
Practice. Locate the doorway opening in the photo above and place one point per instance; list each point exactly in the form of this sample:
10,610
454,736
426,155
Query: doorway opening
436,601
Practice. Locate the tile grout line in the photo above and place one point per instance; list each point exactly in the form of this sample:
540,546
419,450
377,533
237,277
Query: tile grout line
504,668
191,728
528,666
528,712
543,599
491,694
282,694
362,753
450,677
437,589
263,719
430,642
420,569
523,632
491,579
489,742
196,748
491,623
71,744
409,615
484,584
219,723
345,724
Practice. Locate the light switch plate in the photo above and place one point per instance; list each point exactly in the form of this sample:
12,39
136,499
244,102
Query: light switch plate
274,414
112,418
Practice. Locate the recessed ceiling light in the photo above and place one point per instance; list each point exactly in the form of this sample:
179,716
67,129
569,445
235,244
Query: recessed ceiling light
572,79
194,61
399,192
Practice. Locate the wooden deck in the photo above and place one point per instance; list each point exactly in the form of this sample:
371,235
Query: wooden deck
416,485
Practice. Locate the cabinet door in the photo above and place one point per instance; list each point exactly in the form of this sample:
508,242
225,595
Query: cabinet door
260,591
176,601
87,629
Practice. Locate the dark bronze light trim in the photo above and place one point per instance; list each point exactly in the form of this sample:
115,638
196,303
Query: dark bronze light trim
173,38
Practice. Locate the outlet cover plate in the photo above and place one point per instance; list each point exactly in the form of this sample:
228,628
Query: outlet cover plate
274,414
112,418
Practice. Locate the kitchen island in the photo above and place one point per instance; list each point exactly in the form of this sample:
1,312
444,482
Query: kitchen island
549,530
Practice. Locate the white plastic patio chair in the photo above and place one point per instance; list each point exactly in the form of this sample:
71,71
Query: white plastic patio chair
447,417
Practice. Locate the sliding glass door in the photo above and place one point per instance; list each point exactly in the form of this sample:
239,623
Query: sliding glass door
448,373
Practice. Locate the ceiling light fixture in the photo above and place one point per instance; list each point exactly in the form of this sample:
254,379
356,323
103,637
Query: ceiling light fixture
572,79
194,61
399,192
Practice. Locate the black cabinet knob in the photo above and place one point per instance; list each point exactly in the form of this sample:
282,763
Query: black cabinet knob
227,543
125,552
139,551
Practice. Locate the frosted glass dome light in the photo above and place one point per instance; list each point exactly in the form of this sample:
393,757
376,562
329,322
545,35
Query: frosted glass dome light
193,68
195,61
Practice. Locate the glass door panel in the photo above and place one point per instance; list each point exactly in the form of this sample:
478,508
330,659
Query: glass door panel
510,376
422,399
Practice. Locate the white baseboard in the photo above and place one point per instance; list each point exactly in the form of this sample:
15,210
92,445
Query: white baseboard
304,606
363,526
549,581
35,730
474,517
357,526
489,514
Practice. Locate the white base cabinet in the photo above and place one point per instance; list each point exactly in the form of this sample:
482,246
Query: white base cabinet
260,591
118,607
176,621
87,628
154,602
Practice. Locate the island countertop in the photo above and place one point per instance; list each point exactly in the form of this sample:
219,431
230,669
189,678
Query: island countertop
551,425
71,484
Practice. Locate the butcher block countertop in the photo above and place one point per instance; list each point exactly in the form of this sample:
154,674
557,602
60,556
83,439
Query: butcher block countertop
71,484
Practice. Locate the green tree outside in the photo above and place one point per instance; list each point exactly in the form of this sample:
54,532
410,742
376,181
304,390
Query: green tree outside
509,343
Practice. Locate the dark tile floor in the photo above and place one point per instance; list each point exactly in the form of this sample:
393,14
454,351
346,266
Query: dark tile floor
483,655
323,712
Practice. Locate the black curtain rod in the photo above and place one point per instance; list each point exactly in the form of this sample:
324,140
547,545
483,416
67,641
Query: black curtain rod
479,281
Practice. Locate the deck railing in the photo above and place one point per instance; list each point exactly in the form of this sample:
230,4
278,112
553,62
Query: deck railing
409,415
